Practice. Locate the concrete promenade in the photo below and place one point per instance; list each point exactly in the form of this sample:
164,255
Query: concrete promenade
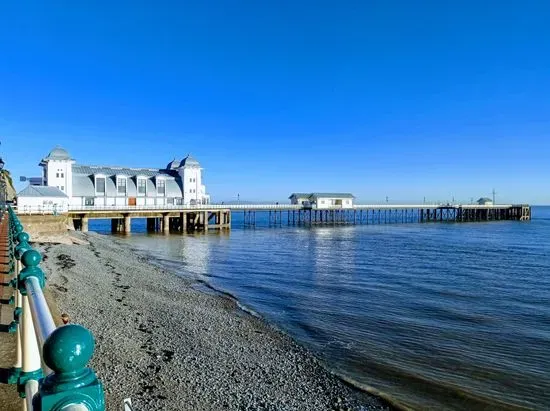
9,399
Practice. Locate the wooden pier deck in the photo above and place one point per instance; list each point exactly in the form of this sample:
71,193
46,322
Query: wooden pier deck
396,214
219,216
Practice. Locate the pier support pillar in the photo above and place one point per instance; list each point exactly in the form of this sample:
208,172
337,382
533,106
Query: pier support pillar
166,224
205,220
84,226
184,222
127,224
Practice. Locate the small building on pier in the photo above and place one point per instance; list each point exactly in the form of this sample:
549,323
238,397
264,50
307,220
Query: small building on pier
179,183
42,198
323,200
485,201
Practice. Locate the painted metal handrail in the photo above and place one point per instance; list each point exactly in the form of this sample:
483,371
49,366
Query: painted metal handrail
63,382
42,318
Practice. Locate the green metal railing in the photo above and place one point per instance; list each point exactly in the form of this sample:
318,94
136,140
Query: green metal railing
50,368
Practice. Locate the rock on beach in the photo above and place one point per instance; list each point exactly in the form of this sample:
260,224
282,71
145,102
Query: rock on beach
168,346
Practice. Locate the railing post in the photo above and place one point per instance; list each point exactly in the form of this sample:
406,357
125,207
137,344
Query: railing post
31,364
67,351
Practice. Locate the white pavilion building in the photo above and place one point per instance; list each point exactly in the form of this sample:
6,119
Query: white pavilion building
179,183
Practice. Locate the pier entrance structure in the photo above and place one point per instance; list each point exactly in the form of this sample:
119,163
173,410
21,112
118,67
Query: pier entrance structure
205,217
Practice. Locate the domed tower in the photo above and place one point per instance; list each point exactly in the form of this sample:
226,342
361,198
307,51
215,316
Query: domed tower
58,170
190,171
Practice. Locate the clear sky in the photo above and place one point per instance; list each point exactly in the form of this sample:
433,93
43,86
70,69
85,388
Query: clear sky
405,99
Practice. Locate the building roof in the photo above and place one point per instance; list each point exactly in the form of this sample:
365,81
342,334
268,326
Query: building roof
41,191
83,186
189,161
484,199
333,195
324,195
57,153
125,171
300,195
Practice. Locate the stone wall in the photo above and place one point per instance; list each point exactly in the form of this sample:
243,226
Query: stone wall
48,228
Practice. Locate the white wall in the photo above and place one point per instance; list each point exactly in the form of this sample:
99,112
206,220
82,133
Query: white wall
60,204
299,200
77,201
327,202
60,174
192,184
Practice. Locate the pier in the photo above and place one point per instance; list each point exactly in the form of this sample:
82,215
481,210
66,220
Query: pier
219,216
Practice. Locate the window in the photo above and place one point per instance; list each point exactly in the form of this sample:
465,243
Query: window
57,175
161,187
121,185
100,185
141,186
169,201
62,188
62,175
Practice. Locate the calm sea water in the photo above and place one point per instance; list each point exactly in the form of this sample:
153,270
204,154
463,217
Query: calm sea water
435,316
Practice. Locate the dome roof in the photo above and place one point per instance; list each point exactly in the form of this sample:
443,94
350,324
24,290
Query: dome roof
58,153
189,161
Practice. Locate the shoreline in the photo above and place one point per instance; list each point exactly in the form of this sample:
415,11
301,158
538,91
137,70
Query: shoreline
166,344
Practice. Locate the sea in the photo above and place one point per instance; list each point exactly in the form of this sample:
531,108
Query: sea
434,316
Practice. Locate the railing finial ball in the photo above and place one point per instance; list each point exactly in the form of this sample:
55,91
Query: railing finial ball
23,237
31,258
68,349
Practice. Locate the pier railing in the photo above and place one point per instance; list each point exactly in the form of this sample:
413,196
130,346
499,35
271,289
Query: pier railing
63,382
56,209
42,209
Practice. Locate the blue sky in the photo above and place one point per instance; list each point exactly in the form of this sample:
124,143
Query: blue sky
434,99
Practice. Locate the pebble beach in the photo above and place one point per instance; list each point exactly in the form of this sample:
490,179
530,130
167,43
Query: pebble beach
169,346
